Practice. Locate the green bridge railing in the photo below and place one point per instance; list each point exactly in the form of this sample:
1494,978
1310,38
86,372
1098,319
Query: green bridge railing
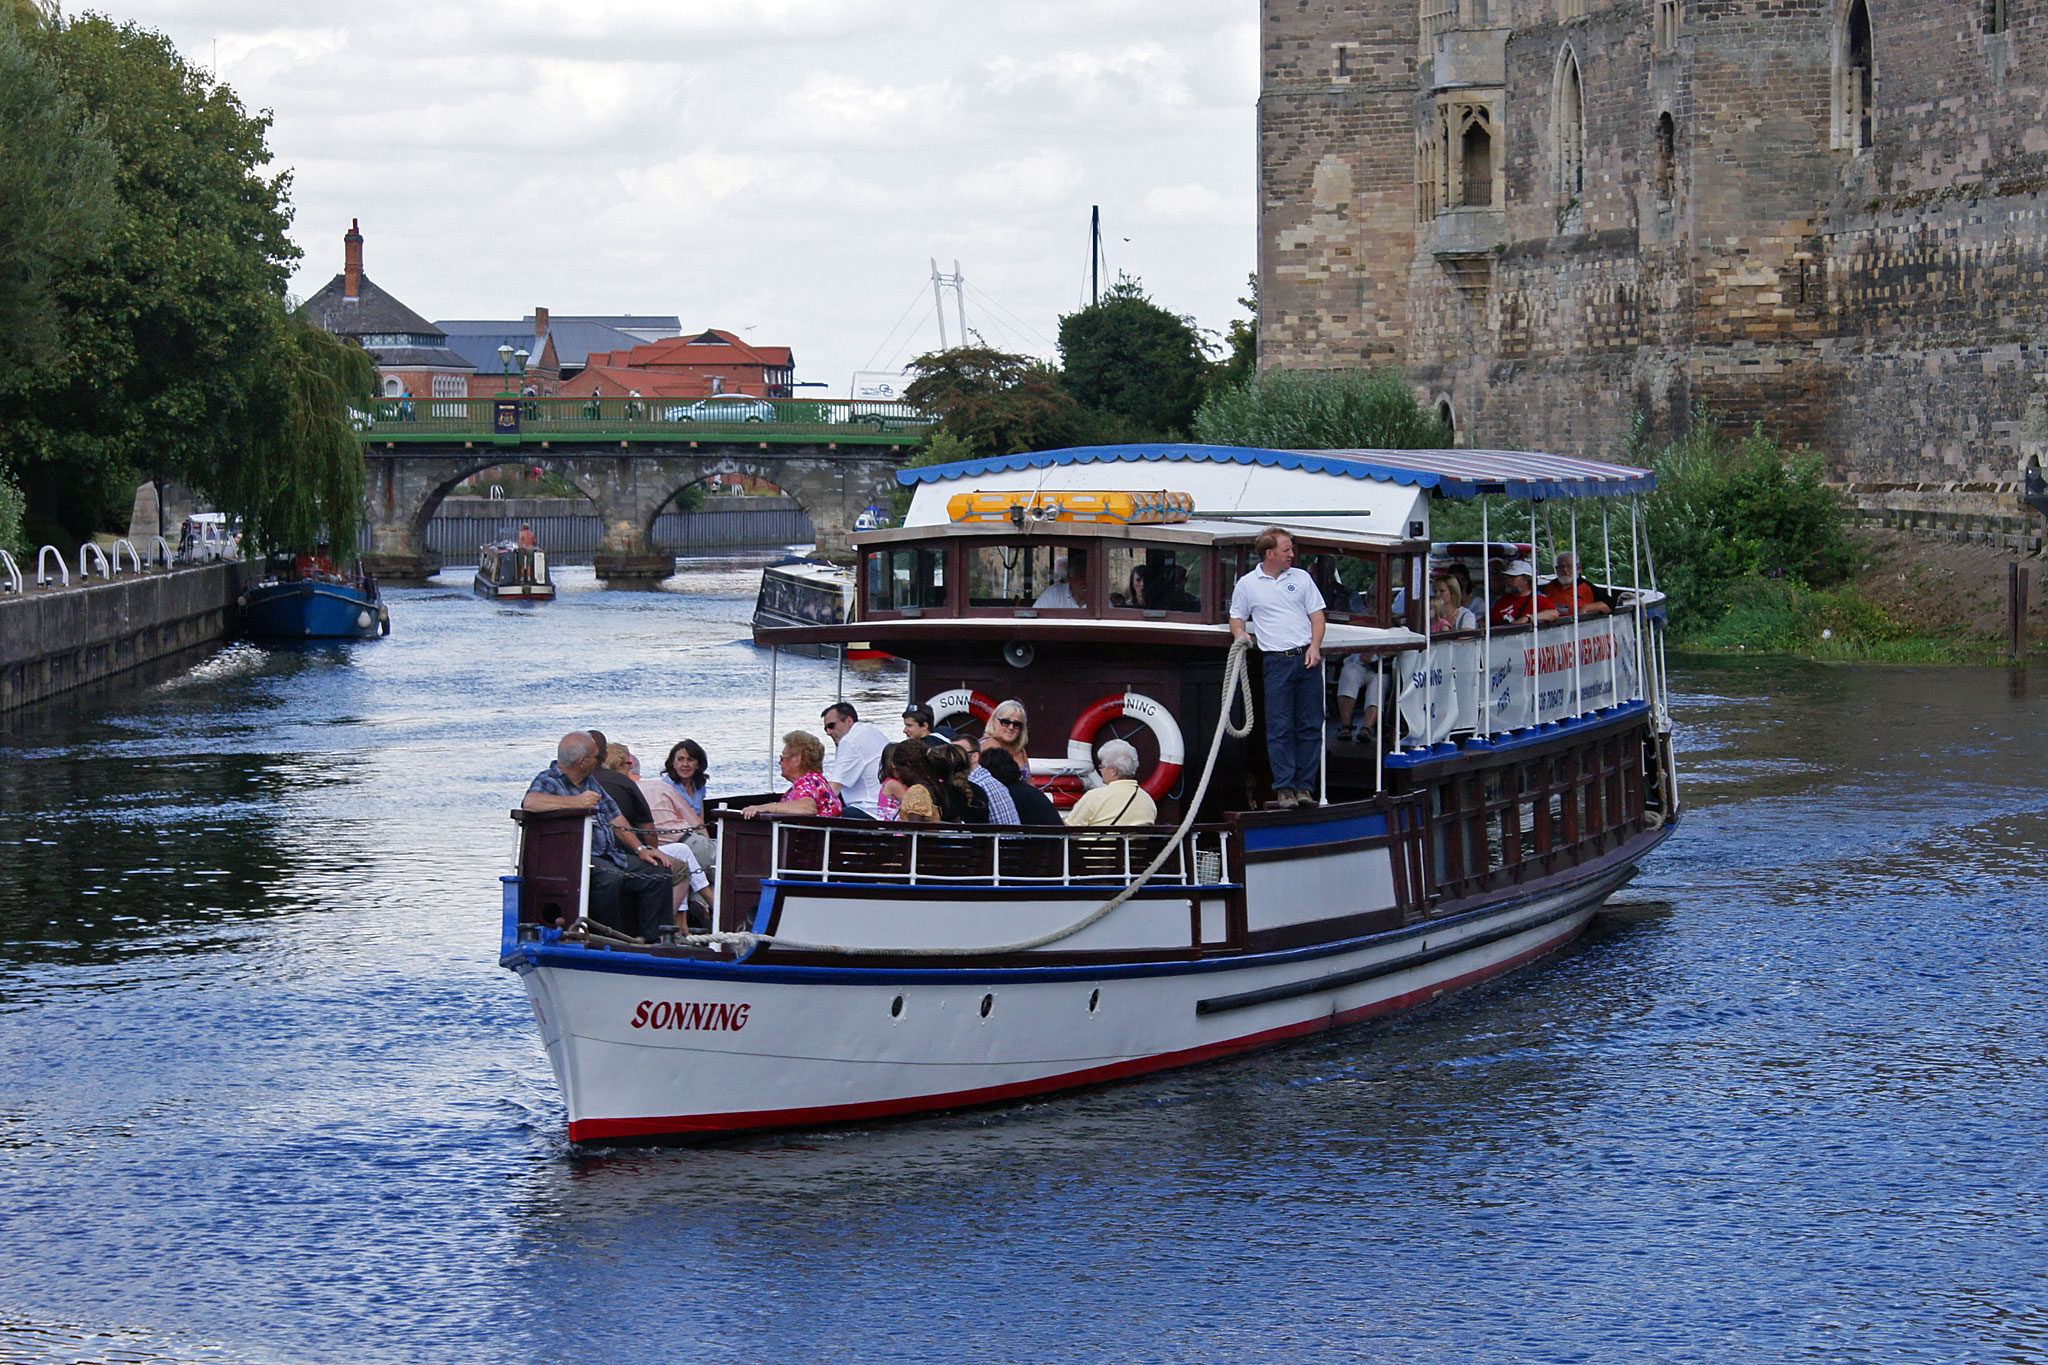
511,421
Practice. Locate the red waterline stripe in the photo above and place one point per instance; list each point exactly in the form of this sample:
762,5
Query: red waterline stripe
597,1130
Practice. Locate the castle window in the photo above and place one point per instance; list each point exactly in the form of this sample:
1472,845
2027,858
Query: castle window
1568,133
1475,158
1568,10
1855,80
1994,16
1664,31
1667,157
1445,415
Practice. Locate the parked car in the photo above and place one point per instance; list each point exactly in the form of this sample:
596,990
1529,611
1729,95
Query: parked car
732,407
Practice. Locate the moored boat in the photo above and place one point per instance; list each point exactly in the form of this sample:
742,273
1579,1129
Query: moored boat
1513,779
304,599
509,571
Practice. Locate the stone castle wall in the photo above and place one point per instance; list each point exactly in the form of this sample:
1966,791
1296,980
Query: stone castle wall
1887,305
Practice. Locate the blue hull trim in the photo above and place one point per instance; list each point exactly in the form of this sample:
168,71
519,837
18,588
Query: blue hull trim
310,611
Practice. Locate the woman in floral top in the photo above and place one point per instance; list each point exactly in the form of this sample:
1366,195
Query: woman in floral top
803,766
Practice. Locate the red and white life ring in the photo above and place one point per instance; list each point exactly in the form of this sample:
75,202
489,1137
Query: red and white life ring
1172,751
961,701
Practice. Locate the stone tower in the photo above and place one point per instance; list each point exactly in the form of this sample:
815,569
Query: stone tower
1821,215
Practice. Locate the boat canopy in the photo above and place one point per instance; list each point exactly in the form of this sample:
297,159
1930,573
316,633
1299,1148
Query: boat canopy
1454,473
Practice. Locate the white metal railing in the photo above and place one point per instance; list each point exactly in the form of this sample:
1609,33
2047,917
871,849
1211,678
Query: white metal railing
43,556
160,547
935,855
13,571
133,558
1512,680
106,569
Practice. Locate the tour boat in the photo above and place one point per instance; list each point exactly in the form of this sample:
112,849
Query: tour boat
810,592
506,572
1513,779
301,601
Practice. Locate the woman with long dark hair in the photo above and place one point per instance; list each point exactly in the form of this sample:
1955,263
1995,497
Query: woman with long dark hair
677,800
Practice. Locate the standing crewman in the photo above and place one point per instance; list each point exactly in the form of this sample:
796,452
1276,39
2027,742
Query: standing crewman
1285,610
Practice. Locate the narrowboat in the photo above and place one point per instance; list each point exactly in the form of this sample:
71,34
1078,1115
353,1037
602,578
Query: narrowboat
510,572
305,599
797,591
1512,777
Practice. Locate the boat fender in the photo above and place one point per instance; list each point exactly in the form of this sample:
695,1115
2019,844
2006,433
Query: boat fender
1165,729
363,620
961,701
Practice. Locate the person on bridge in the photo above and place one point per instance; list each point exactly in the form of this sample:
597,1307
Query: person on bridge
629,879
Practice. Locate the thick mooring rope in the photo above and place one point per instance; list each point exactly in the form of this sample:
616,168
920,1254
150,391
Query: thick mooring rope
1235,679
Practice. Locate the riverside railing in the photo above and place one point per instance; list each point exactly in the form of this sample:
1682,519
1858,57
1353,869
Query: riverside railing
911,855
722,418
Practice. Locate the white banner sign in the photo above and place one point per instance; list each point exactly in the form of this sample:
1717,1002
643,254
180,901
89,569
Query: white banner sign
1564,670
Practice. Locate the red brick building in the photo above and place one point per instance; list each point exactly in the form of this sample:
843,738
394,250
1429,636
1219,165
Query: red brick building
413,357
711,362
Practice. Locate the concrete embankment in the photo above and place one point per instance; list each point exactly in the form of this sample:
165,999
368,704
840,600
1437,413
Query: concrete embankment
53,640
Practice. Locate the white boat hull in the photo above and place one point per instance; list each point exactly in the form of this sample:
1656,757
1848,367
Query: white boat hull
649,1048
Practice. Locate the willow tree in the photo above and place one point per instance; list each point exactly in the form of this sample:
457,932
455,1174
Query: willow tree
296,476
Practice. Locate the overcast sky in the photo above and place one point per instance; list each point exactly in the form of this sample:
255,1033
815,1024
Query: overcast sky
783,169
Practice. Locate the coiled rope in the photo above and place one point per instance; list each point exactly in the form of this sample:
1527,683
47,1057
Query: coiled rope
1235,678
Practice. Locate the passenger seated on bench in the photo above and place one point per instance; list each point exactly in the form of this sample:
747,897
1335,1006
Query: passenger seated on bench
912,767
1119,800
629,879
803,767
1034,807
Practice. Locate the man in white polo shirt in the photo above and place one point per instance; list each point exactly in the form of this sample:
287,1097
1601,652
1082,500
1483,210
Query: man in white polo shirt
855,767
1285,611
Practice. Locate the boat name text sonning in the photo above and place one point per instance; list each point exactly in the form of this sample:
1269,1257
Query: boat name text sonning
662,1014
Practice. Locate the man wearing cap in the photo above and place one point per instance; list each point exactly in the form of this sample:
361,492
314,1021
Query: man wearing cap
1283,607
917,720
1519,600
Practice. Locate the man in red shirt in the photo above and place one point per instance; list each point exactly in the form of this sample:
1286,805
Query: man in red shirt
1520,601
1571,593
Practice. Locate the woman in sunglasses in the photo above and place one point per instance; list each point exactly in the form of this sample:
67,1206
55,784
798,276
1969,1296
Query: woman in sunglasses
1010,727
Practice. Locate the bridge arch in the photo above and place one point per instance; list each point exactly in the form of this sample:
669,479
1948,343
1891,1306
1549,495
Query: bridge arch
628,486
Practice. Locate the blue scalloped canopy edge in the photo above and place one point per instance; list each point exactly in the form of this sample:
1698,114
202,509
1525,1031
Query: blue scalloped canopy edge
1454,473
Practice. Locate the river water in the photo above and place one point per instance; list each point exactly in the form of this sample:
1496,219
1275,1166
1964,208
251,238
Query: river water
265,1095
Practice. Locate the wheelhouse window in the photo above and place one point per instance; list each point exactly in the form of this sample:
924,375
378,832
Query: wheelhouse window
906,579
1036,576
1154,578
1350,585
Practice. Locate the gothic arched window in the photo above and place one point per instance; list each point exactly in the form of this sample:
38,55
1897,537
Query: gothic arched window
1855,79
1568,132
1667,156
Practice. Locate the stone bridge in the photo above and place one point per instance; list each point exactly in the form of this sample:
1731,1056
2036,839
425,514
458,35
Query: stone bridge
629,483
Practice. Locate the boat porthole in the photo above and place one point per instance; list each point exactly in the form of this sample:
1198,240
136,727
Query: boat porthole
896,1008
1094,999
988,1002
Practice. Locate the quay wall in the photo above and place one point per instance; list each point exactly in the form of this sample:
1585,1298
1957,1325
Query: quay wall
54,640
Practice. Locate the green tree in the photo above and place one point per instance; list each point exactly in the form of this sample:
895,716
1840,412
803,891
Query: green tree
1240,363
1127,356
57,201
177,351
996,402
1320,410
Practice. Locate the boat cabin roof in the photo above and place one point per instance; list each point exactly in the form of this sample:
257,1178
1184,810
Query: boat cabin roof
1378,494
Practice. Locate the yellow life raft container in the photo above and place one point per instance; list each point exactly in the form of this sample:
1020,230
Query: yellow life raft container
1129,509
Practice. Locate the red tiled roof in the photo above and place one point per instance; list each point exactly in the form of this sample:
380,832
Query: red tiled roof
710,349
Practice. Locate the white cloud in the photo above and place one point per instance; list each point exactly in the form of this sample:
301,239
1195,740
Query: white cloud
790,165
1030,182
1195,203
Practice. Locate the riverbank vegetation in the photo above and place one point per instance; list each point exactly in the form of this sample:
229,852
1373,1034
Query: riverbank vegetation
144,327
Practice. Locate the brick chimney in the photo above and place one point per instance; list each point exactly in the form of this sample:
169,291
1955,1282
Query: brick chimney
540,326
351,261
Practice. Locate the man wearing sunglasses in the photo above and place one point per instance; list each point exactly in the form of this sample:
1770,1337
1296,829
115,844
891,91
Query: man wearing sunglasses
855,770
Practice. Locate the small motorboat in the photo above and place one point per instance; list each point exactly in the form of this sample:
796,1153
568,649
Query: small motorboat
514,573
305,599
